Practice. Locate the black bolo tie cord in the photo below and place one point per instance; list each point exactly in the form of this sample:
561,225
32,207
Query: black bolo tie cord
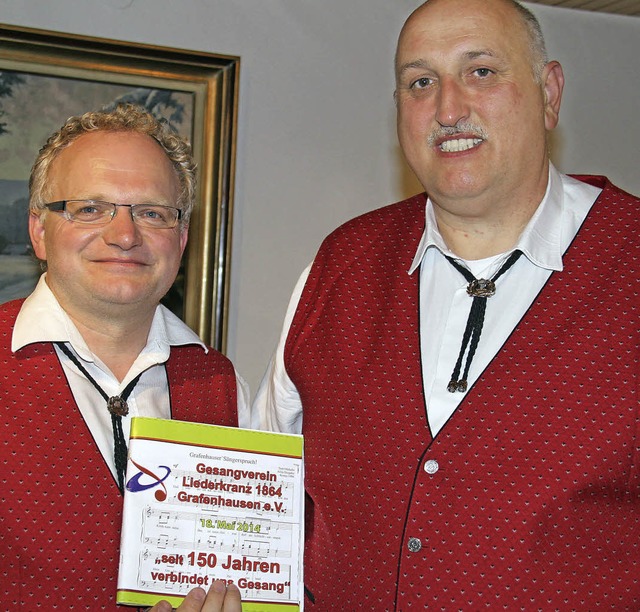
480,290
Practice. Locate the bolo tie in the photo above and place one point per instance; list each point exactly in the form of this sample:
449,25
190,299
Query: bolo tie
480,290
117,407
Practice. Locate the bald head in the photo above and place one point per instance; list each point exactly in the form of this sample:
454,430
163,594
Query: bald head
511,11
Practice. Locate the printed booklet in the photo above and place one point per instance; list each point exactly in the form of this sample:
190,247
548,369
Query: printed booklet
205,502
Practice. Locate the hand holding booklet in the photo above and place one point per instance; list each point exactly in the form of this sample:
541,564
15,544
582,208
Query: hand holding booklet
204,502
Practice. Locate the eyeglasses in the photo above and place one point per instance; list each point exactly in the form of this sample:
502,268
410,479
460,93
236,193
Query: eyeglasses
96,212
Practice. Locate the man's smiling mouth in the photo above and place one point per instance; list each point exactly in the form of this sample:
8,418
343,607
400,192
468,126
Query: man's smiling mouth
459,144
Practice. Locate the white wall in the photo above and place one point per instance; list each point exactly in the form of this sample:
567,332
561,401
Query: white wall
316,124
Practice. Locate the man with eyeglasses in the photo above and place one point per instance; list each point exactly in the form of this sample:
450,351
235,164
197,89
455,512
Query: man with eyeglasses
111,194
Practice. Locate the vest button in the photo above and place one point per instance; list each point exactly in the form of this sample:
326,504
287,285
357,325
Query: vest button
431,466
414,545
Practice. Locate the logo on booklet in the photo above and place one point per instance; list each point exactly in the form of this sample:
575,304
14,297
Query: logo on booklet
135,486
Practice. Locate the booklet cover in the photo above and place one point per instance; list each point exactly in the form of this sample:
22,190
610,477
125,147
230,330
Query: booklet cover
205,502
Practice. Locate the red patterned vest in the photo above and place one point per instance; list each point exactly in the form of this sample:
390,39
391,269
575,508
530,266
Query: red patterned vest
60,508
529,497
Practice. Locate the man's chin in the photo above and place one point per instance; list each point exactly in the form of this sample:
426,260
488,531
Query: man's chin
127,297
460,188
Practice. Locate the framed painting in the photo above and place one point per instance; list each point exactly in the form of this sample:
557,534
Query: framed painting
46,77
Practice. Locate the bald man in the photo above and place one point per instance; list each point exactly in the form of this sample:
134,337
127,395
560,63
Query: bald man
463,364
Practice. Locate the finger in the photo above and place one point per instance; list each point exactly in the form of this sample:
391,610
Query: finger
193,601
232,600
222,598
214,598
161,606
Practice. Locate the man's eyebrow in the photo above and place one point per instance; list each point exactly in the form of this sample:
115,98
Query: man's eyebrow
419,63
422,64
471,55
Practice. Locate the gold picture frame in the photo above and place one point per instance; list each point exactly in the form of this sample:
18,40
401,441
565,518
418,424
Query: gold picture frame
46,77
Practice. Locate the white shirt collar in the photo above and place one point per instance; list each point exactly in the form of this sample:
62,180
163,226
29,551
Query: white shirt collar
42,319
543,239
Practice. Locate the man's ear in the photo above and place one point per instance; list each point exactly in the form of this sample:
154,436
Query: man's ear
184,236
553,82
36,233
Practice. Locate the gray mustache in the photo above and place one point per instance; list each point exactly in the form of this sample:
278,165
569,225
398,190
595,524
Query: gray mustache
466,128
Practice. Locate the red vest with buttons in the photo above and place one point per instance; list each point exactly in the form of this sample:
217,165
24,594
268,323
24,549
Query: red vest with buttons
60,508
529,497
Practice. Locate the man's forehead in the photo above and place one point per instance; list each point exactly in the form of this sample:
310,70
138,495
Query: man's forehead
454,17
465,35
114,164
128,138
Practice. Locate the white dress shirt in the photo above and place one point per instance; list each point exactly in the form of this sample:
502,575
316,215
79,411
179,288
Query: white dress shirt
445,304
42,319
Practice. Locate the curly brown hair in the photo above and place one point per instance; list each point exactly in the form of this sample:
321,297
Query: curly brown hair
122,118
